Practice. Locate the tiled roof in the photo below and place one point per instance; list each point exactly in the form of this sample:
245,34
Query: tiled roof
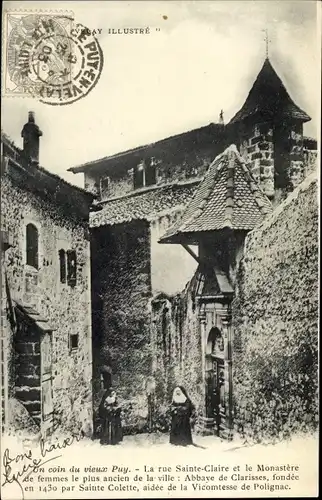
269,97
146,205
16,154
228,197
73,200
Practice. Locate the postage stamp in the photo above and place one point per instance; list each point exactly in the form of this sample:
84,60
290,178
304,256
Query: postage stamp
50,57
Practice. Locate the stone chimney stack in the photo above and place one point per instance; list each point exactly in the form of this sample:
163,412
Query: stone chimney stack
31,133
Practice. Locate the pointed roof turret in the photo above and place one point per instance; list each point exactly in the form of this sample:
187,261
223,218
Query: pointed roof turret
227,197
269,98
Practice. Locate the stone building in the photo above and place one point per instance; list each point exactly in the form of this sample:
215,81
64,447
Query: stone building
141,192
161,315
46,343
268,130
239,301
227,204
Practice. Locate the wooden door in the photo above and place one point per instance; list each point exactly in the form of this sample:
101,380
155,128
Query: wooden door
218,393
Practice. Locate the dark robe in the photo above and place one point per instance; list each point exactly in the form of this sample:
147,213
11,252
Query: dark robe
110,415
180,433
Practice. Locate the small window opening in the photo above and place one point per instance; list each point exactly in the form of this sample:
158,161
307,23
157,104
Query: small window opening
73,341
32,246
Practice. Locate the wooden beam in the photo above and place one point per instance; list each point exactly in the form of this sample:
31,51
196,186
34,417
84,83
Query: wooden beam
186,247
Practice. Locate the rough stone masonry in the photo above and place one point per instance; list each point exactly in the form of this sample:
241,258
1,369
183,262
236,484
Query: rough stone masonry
275,315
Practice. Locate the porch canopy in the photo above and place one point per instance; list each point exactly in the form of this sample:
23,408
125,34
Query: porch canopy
227,199
32,317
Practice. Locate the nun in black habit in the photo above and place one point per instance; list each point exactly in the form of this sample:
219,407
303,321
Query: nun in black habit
181,412
110,414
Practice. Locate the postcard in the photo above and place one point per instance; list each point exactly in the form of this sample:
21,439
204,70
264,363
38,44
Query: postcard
159,249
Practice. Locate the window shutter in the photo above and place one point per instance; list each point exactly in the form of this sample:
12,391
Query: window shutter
71,267
62,265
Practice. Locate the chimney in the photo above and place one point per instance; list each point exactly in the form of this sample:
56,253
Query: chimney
31,133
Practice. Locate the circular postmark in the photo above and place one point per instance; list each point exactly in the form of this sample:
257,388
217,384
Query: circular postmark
52,58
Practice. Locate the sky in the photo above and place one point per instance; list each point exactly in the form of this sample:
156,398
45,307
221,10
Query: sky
200,57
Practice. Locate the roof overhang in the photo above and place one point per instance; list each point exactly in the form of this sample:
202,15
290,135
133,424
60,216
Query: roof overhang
29,313
175,145
180,239
194,238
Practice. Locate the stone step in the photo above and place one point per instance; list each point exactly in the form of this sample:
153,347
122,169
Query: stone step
27,358
27,348
27,380
32,406
37,419
26,393
36,415
26,368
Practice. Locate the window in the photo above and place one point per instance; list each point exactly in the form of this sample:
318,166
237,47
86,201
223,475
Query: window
139,175
150,173
62,265
145,174
104,187
73,341
32,246
71,267
67,266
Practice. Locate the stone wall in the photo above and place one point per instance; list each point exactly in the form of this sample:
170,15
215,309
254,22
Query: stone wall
91,182
279,156
310,161
5,344
66,309
256,146
177,352
121,290
179,165
296,174
119,185
191,165
275,313
107,186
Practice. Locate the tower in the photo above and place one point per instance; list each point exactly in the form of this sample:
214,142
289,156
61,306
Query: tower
269,133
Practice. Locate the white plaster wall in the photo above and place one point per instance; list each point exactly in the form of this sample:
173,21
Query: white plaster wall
171,265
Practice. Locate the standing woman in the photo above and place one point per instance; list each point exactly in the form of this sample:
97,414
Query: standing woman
181,411
110,414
